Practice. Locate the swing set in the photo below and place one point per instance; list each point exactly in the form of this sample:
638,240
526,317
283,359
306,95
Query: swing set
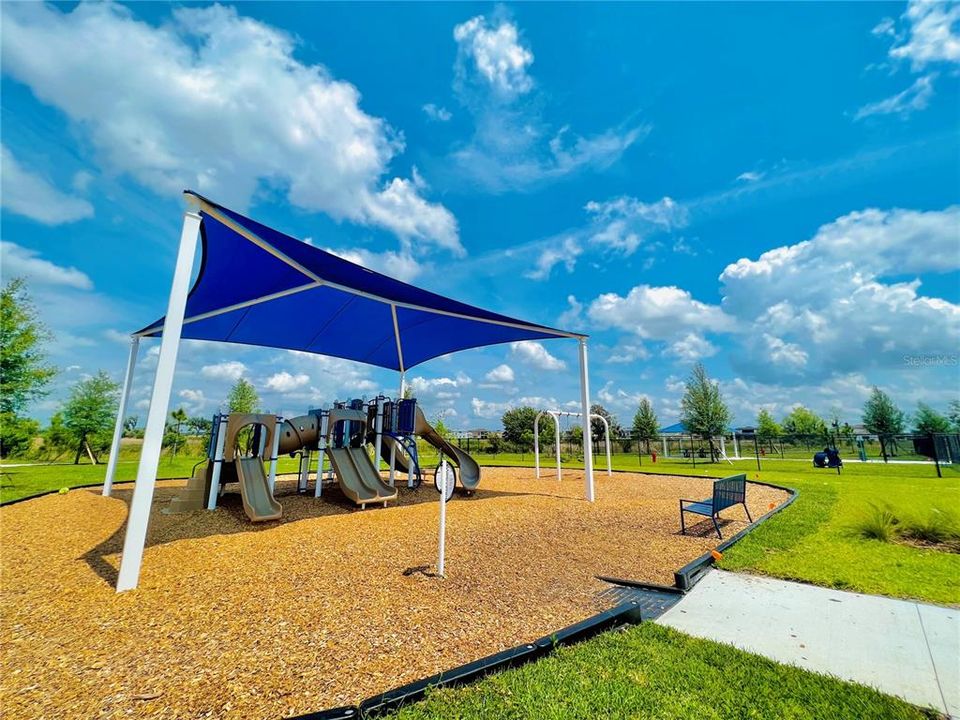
556,415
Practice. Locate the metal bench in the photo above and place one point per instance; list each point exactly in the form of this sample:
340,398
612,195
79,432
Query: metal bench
726,492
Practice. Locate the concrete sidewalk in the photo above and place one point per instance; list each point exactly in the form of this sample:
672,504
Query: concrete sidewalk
900,647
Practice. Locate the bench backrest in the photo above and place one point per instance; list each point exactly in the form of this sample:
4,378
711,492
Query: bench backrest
729,491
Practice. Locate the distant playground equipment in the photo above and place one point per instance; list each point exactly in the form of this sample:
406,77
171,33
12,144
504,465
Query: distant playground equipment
340,434
828,458
556,415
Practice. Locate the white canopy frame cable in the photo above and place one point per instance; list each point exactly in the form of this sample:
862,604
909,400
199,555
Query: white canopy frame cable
556,415
171,330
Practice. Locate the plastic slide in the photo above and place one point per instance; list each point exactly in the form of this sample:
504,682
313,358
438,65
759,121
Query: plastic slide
258,501
349,479
369,475
469,469
400,458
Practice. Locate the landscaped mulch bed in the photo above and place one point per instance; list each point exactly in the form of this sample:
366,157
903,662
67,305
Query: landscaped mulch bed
238,620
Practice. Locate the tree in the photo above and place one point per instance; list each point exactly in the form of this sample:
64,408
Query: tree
646,427
927,420
441,427
767,427
130,425
24,374
803,421
702,409
57,438
179,417
17,435
199,426
596,426
89,414
243,398
518,422
881,416
953,412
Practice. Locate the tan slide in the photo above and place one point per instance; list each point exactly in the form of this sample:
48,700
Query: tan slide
258,501
369,475
349,479
469,469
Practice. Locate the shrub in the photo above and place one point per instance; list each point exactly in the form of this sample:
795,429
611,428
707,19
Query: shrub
879,523
17,435
937,526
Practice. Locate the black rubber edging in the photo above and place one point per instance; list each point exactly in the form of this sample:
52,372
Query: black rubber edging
691,573
626,613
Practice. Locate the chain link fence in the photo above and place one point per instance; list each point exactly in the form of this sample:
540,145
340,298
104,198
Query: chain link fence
940,450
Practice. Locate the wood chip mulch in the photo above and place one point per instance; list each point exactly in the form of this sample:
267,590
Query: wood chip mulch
236,620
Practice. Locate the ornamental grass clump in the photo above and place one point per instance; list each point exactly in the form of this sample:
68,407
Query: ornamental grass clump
936,527
879,523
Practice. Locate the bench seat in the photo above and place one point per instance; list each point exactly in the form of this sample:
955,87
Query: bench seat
727,492
704,507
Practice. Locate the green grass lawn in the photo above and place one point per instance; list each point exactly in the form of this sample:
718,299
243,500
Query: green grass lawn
650,671
18,482
815,540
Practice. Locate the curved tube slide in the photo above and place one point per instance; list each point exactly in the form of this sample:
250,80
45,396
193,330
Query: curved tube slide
469,469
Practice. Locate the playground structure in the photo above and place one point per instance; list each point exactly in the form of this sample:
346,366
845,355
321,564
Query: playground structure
297,297
340,435
556,415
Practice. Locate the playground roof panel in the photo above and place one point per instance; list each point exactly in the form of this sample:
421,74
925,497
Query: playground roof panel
257,286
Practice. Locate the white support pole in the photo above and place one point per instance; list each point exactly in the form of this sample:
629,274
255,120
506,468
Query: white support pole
536,445
736,447
378,441
606,439
393,462
221,431
121,412
585,417
443,517
274,448
322,451
556,443
664,446
723,447
136,536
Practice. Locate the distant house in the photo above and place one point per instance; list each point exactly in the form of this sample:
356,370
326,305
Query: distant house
475,434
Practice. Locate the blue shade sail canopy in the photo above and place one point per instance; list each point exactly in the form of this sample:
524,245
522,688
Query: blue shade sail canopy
257,286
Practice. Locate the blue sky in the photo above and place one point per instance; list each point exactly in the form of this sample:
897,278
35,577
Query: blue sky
770,189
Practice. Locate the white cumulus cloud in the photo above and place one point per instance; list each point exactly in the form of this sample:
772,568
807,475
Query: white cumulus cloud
495,51
31,195
534,354
229,370
500,374
658,312
19,261
285,382
931,34
622,223
218,102
565,254
436,112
